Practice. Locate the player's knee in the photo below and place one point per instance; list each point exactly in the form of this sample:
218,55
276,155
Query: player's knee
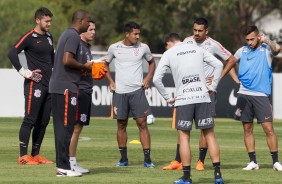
28,124
270,133
143,126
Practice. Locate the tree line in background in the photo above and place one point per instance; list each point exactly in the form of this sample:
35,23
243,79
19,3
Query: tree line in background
157,18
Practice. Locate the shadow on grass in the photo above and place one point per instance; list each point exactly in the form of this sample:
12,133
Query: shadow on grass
211,180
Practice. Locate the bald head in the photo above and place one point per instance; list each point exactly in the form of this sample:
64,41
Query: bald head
80,21
79,15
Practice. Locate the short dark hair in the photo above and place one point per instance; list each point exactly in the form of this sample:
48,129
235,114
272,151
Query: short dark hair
171,37
128,27
202,21
79,15
92,21
42,11
250,29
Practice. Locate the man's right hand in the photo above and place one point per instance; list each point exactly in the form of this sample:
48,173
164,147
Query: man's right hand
112,87
88,66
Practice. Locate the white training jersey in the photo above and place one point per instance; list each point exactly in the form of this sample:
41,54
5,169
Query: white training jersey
128,65
186,62
214,47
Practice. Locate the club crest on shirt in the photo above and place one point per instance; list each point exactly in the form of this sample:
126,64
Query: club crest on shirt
50,40
238,112
261,49
115,110
88,56
34,35
73,101
37,93
245,49
208,43
136,51
83,117
205,47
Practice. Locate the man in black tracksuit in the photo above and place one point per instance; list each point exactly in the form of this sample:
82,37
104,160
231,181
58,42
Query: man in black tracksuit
37,45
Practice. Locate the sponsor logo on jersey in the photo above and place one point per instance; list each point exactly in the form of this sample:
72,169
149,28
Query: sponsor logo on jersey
189,42
73,101
34,35
186,52
184,124
190,79
37,93
83,117
188,90
197,97
205,122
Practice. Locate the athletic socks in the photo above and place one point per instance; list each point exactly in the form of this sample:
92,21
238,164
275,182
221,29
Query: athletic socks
202,154
35,149
217,173
24,136
123,153
253,157
72,161
147,153
186,173
274,156
23,149
177,155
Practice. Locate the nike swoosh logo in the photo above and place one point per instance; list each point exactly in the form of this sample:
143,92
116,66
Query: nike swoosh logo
268,117
232,98
248,59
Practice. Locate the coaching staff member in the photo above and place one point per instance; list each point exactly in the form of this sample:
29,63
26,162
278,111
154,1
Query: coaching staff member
64,86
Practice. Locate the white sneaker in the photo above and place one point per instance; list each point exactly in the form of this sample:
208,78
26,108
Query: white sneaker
251,166
277,166
79,169
64,172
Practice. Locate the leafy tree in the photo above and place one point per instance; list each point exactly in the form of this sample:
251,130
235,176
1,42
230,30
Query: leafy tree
17,18
157,18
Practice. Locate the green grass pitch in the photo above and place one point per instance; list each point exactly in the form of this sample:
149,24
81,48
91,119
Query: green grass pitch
98,151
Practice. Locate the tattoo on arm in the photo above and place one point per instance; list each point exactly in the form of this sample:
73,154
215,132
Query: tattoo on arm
272,45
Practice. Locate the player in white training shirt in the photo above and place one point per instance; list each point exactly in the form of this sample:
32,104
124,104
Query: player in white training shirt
201,39
192,100
129,89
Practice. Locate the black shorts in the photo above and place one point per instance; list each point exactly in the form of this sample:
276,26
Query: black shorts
248,107
84,108
134,102
200,112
